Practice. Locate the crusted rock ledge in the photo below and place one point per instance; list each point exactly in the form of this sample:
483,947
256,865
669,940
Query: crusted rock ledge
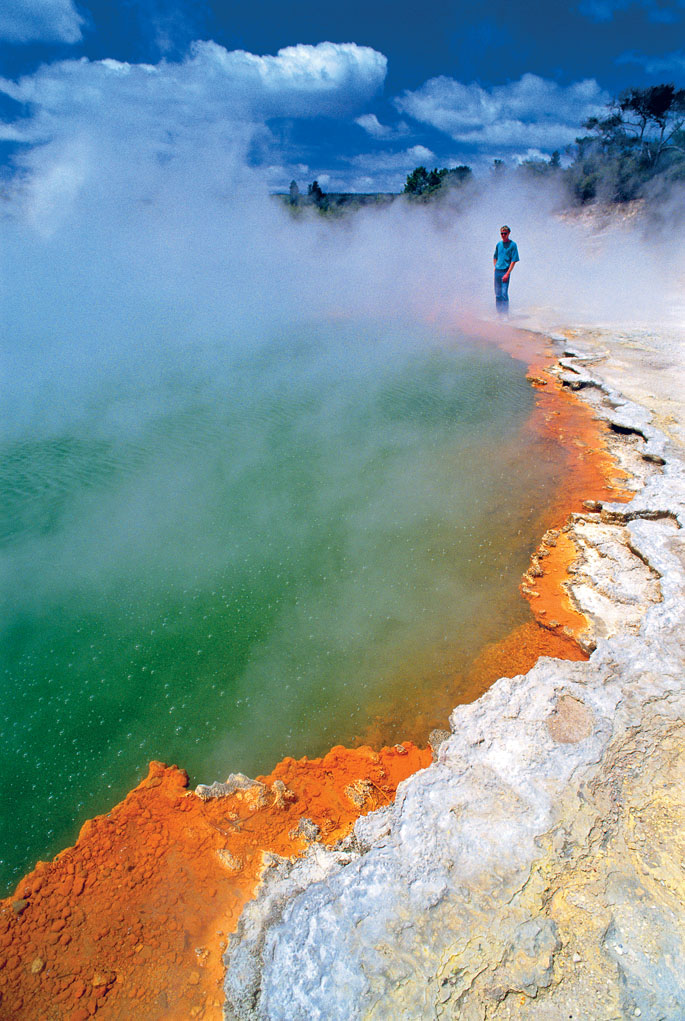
537,868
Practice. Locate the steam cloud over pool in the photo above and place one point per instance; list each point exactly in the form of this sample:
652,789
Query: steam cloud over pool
252,501
238,557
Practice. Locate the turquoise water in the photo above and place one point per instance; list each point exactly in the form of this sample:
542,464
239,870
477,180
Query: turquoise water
235,553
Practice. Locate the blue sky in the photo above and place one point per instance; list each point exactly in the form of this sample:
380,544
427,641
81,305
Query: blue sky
354,96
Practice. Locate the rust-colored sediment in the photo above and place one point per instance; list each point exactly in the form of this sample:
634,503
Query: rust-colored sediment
591,474
517,654
130,923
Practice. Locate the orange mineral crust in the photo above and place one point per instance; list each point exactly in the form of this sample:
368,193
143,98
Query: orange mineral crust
560,421
517,654
514,654
590,474
131,922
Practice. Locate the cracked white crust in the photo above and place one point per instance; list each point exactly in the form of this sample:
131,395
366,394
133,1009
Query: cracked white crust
537,869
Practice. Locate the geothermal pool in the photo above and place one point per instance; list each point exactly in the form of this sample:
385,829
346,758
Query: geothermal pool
247,548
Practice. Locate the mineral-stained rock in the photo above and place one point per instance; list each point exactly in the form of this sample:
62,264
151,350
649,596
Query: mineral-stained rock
571,720
281,795
129,924
235,782
611,585
232,863
306,830
359,792
436,738
535,870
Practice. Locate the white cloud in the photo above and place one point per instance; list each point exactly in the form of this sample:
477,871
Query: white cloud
370,123
327,79
530,113
407,158
112,122
420,152
10,133
387,170
49,21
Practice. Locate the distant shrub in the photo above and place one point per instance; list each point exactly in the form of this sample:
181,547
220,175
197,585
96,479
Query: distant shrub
423,183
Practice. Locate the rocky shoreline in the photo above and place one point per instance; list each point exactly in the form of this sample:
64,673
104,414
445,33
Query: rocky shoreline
533,869
537,868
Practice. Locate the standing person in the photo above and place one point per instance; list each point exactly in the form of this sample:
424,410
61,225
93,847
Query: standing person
505,257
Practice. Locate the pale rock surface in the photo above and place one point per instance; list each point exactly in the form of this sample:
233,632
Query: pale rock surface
537,869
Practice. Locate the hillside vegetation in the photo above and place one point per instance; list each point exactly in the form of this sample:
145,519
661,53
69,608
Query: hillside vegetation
636,151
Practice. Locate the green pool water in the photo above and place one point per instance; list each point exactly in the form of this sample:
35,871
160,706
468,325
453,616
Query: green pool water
236,556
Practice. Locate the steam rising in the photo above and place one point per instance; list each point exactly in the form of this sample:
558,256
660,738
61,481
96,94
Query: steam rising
138,203
108,251
139,241
123,263
144,265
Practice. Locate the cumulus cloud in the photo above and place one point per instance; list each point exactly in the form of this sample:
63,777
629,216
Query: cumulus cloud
370,123
328,79
48,21
530,113
213,105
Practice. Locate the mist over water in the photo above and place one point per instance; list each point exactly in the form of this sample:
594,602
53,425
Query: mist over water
253,468
230,560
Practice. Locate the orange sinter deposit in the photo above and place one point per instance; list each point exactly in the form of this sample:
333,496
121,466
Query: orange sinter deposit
514,654
591,474
131,922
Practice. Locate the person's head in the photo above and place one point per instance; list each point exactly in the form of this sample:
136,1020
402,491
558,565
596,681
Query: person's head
504,232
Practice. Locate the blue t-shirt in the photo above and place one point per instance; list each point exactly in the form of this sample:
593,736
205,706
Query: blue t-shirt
506,254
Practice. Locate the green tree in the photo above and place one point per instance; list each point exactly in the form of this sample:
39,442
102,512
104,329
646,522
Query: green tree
422,182
542,167
318,196
641,137
657,118
458,175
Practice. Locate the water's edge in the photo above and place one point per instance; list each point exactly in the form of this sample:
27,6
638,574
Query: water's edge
535,867
287,887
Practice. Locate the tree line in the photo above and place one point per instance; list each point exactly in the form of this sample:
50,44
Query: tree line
641,141
637,146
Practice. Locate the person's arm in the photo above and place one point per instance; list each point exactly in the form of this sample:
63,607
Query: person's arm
514,260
